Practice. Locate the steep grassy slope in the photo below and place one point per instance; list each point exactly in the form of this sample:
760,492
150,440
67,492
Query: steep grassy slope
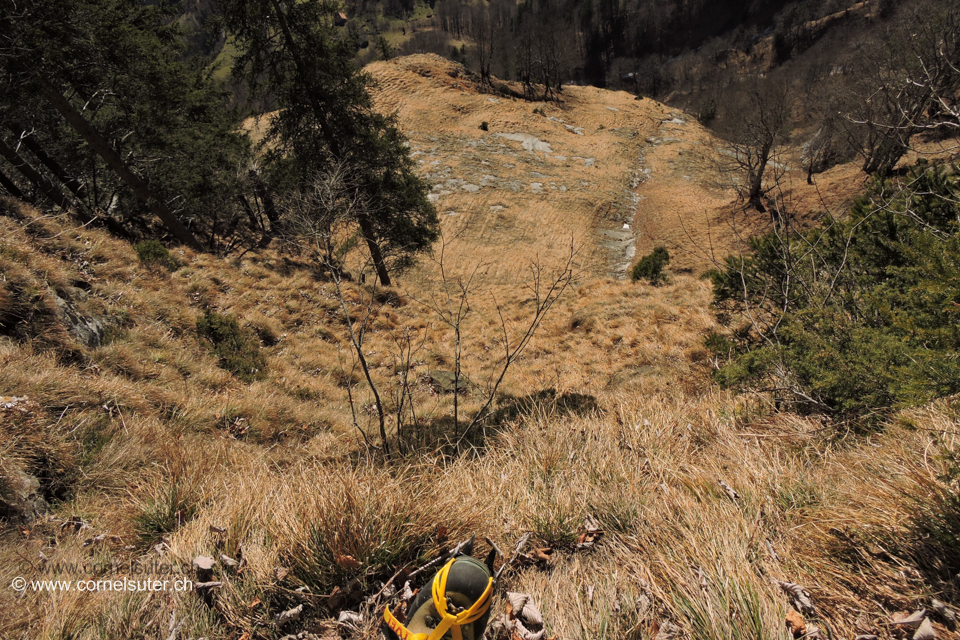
543,174
614,175
145,451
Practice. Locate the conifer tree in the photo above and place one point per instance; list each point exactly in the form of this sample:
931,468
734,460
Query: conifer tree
292,54
102,96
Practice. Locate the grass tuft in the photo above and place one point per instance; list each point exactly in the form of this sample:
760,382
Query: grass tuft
152,252
237,350
165,509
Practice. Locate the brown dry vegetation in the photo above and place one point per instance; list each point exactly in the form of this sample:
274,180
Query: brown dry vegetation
506,203
610,412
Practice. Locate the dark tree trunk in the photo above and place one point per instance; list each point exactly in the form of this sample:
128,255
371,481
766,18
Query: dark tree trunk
30,142
375,252
251,216
10,187
885,156
269,207
35,177
756,183
102,147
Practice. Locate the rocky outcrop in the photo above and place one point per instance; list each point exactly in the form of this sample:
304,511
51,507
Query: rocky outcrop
447,381
20,499
88,330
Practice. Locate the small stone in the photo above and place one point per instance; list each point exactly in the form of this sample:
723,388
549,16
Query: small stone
204,566
289,615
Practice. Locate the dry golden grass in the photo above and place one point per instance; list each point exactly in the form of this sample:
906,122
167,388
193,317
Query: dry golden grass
506,203
610,413
641,448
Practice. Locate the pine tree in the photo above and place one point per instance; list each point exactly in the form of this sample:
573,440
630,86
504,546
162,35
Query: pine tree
290,52
105,100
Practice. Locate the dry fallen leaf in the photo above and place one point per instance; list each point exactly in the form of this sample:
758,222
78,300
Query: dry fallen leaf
912,621
733,495
348,562
522,633
522,619
532,614
350,618
516,600
590,533
925,632
795,624
213,584
289,615
799,597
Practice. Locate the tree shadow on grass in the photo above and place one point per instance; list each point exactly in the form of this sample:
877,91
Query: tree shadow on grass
934,541
545,401
927,541
441,434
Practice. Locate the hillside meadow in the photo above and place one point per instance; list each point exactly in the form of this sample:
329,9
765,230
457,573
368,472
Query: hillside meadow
704,497
720,516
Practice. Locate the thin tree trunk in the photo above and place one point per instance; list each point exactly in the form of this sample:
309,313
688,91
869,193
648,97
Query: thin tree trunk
365,227
885,156
75,186
756,186
11,188
374,248
269,207
254,223
99,144
35,177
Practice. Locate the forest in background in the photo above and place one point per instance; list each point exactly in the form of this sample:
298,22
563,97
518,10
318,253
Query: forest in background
842,71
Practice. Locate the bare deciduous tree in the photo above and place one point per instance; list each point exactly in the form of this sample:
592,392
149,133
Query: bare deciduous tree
755,125
322,216
905,85
481,30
